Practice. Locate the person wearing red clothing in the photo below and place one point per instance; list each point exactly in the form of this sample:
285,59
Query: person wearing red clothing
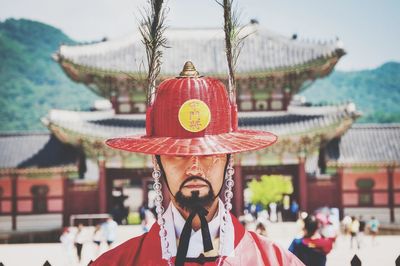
248,249
192,134
312,248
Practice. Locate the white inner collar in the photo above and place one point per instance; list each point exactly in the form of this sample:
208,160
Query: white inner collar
179,223
174,223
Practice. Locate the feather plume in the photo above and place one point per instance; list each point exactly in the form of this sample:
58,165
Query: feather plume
152,28
233,42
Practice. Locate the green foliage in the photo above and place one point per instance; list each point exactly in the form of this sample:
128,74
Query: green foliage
376,92
31,83
134,218
270,188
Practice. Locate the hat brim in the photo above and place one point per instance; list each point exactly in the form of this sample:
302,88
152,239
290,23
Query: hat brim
227,143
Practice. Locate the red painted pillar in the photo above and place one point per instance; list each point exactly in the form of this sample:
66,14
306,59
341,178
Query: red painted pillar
114,102
286,99
302,184
66,211
238,197
340,173
102,186
390,172
14,184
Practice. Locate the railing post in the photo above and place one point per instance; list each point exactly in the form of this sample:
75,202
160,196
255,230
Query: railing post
303,195
102,185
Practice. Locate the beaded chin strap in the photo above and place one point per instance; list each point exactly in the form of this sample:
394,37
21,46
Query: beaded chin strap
160,209
228,205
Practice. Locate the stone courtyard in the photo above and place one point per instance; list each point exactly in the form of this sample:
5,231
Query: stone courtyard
383,252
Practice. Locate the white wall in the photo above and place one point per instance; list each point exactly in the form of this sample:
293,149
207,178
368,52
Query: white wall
382,214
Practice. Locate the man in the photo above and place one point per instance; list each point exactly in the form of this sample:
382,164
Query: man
294,210
354,232
192,133
373,226
361,232
109,228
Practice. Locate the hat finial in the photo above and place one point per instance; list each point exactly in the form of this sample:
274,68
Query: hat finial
189,70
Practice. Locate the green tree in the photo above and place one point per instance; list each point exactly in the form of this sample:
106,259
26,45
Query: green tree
270,188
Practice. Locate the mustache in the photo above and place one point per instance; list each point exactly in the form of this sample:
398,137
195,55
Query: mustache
192,202
191,178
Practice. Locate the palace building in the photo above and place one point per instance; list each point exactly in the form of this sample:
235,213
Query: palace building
330,161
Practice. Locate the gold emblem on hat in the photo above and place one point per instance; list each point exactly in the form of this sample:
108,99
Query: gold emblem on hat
194,115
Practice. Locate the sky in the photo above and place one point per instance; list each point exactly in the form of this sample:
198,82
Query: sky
370,30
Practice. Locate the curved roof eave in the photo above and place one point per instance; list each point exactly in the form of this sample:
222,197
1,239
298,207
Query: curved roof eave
263,52
291,128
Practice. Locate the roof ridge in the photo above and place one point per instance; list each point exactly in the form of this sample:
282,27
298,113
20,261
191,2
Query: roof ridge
24,133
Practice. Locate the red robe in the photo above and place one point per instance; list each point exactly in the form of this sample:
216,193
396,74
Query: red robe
250,249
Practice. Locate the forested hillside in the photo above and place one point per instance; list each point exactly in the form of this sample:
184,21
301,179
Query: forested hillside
31,82
376,92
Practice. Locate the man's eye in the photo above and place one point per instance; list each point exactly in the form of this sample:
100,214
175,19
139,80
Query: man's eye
177,158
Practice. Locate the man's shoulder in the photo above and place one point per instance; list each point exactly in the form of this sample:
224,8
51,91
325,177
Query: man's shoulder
121,254
282,256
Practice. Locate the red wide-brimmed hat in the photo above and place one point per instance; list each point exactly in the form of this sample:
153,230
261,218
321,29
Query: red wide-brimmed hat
192,115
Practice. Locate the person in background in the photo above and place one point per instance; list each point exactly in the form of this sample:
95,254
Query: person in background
149,220
67,241
109,228
79,240
273,216
361,230
261,230
300,224
354,230
312,248
287,215
97,239
294,210
328,230
142,213
346,223
373,226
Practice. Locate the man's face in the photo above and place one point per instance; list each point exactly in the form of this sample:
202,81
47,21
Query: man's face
194,179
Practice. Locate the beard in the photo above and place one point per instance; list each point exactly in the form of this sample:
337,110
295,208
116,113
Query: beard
194,201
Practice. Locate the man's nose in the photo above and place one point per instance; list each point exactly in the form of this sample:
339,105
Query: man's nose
194,168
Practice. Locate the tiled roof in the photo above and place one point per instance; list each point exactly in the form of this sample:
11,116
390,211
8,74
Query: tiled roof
275,120
280,123
367,143
263,50
34,150
124,123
